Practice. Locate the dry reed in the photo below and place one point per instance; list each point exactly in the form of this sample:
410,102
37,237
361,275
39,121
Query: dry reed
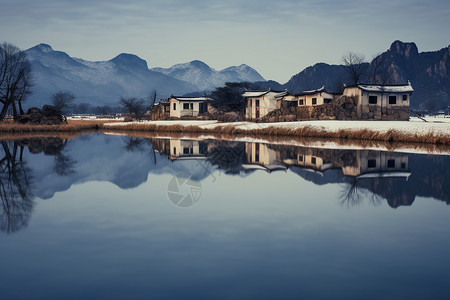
306,131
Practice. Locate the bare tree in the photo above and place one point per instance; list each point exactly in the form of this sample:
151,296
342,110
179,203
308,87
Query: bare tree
63,101
133,106
152,100
356,67
15,79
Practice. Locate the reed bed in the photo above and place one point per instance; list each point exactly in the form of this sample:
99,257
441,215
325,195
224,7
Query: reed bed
10,127
80,126
389,136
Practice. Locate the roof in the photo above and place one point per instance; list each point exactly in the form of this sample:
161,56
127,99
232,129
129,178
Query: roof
164,101
312,92
249,94
398,88
255,93
191,98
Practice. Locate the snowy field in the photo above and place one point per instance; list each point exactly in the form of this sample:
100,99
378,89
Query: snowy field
436,125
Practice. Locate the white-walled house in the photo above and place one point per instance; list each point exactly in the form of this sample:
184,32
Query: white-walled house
188,106
260,103
381,102
314,97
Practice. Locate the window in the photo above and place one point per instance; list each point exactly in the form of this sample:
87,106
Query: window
403,165
257,103
327,100
314,101
191,105
300,158
186,150
313,160
300,102
391,163
371,163
392,99
405,97
167,108
373,99
185,105
175,150
251,102
174,106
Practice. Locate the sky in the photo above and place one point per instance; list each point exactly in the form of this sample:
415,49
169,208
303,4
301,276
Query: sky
277,38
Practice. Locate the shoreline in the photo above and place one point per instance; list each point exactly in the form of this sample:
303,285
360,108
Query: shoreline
437,133
399,132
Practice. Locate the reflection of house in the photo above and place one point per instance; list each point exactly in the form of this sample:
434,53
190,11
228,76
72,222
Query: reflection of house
309,161
260,156
380,164
260,103
182,149
355,163
381,102
188,106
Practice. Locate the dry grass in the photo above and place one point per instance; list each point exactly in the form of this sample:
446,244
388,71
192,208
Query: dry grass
80,126
364,134
10,127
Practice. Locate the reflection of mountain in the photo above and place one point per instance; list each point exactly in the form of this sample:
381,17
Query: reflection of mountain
389,175
57,164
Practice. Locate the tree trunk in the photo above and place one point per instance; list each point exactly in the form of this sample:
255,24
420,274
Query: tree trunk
4,111
20,108
14,111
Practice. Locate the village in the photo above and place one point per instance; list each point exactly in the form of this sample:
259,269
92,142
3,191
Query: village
360,102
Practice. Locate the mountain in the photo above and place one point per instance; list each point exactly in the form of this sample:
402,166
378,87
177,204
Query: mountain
96,83
321,74
429,73
203,77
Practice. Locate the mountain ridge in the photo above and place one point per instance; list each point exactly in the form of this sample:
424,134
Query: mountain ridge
103,82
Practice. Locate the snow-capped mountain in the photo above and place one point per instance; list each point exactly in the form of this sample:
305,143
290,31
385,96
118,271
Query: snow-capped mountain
206,78
104,82
96,83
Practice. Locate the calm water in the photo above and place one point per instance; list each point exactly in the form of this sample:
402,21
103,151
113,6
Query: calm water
115,217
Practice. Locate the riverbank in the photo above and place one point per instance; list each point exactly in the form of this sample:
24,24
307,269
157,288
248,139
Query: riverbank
414,131
436,131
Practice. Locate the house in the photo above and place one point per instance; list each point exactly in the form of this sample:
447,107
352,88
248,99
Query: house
161,110
260,103
381,102
188,106
315,97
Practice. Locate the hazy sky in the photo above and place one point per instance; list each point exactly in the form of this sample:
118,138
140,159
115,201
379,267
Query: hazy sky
277,38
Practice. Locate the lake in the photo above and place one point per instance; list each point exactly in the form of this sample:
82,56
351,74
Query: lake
118,217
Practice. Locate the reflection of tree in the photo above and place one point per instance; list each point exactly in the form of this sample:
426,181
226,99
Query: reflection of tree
134,144
350,194
15,189
64,164
355,190
228,156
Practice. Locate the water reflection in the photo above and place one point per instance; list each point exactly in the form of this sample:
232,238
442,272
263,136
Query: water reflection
55,164
17,180
366,174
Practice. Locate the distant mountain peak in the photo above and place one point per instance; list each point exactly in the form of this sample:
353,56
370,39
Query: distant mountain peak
130,60
404,49
45,48
199,64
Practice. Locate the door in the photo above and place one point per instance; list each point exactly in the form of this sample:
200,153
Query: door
257,109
